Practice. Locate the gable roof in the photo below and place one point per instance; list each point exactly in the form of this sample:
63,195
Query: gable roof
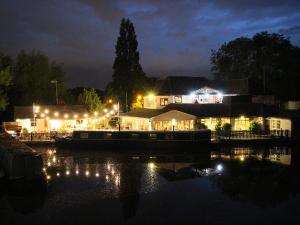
183,85
26,112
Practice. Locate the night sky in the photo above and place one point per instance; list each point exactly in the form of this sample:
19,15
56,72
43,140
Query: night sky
175,36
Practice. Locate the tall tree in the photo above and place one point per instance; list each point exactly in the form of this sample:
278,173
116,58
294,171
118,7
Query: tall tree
128,75
91,99
269,60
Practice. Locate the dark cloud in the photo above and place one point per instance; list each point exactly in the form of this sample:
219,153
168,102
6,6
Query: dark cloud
175,37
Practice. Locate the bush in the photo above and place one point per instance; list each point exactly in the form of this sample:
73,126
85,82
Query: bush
255,127
199,125
218,128
226,129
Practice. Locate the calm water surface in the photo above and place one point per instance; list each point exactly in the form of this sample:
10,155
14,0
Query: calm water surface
231,186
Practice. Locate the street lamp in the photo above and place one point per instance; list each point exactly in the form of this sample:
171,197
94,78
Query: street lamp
56,94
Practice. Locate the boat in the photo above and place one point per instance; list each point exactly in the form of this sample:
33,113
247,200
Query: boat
146,140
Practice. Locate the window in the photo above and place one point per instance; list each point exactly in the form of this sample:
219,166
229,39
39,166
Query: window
164,101
278,124
178,99
33,123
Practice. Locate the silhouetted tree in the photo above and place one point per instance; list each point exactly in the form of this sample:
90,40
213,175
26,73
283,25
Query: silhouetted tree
128,75
269,60
5,81
91,99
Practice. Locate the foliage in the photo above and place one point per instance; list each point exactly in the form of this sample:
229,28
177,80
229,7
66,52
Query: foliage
128,75
5,81
269,60
218,127
91,99
226,129
33,73
255,127
199,125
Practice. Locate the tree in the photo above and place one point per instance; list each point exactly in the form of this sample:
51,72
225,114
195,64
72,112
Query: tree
90,99
128,75
269,60
255,127
5,81
32,76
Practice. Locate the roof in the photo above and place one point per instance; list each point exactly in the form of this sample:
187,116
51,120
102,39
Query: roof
145,113
26,112
225,110
183,85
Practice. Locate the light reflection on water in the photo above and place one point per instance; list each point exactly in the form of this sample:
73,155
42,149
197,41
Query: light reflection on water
126,187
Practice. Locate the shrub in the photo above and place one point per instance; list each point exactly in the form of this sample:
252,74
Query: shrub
199,125
226,129
255,127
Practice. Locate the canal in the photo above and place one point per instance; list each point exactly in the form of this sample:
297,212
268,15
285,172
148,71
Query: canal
228,186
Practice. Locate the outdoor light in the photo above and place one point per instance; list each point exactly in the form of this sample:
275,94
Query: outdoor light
220,95
110,100
85,115
77,172
87,173
47,118
46,111
242,158
67,172
56,114
95,113
105,110
42,115
97,174
75,116
115,106
112,112
139,97
151,165
219,167
192,94
37,109
48,177
57,174
151,96
66,115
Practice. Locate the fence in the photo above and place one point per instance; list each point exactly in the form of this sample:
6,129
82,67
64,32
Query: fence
250,135
40,136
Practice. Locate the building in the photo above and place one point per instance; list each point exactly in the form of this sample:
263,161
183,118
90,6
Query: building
48,118
195,90
186,116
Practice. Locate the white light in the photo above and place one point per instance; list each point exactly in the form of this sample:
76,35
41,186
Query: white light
151,165
85,115
57,174
97,174
75,116
46,111
192,94
87,173
112,112
115,107
95,113
66,115
220,95
219,167
44,169
105,110
42,115
48,177
173,122
54,159
67,172
77,172
56,114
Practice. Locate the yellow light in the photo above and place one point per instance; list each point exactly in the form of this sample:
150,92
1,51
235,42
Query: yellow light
242,158
95,113
87,173
57,174
107,115
115,107
67,172
110,100
112,112
48,177
37,109
75,116
106,177
112,172
54,159
47,118
77,172
97,174
56,114
151,96
242,117
46,111
105,110
151,165
86,115
66,115
49,163
42,115
44,169
139,97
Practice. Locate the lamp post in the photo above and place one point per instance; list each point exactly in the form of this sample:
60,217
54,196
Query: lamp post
56,93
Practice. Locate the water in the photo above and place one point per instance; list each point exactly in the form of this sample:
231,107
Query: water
231,186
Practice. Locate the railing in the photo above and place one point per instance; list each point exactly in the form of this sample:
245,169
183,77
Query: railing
251,135
40,136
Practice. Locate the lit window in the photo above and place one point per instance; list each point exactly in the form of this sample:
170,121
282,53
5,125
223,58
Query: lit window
164,101
33,123
178,99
